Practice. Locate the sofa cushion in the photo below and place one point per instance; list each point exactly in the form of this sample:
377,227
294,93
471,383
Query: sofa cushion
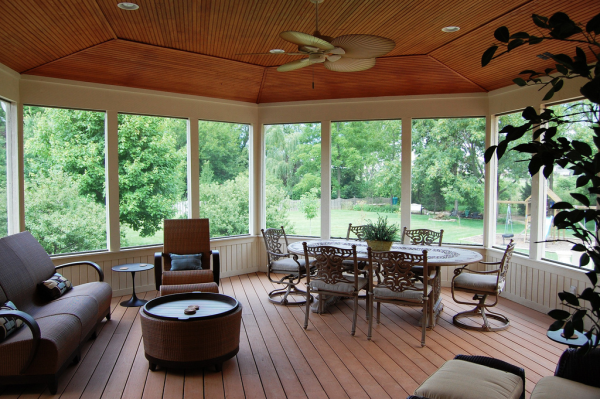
83,308
98,290
459,379
557,387
8,325
23,264
59,339
55,286
186,262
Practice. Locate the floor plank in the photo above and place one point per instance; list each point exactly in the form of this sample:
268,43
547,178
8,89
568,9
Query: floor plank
279,358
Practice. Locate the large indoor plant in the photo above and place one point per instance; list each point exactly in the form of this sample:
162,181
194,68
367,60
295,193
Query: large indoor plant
547,148
381,234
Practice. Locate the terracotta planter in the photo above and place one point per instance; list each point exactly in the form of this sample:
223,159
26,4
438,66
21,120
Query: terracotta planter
380,245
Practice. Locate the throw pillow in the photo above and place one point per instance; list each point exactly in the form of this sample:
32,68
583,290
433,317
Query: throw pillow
186,262
8,324
55,286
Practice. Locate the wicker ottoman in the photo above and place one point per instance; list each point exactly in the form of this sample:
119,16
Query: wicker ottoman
177,340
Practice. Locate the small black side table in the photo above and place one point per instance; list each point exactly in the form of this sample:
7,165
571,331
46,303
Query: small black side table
556,336
133,267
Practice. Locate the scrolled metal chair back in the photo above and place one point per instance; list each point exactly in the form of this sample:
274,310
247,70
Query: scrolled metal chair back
394,269
273,243
359,231
328,263
423,236
505,263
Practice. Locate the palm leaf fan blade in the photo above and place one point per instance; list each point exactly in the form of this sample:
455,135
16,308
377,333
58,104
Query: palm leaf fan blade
291,66
350,64
364,46
304,39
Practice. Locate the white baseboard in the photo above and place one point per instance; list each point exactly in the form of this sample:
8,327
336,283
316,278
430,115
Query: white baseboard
526,302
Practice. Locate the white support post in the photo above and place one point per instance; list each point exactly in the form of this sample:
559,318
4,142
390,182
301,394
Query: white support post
111,126
406,179
15,184
258,178
491,184
538,214
325,179
193,169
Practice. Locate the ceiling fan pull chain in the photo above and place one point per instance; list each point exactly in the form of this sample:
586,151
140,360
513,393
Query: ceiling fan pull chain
313,73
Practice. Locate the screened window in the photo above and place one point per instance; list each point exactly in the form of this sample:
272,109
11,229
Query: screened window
448,178
64,178
513,217
365,173
152,176
562,182
4,112
224,184
293,177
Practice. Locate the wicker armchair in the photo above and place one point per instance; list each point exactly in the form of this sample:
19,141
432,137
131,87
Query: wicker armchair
329,278
422,237
286,264
482,284
396,284
184,237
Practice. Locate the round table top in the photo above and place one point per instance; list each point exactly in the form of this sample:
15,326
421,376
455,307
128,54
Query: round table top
132,267
171,307
557,336
436,255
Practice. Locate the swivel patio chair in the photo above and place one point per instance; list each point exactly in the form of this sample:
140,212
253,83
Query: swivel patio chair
482,284
184,264
422,237
359,232
292,268
396,284
328,277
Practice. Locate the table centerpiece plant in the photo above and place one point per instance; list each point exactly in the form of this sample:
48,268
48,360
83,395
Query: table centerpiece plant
380,234
548,148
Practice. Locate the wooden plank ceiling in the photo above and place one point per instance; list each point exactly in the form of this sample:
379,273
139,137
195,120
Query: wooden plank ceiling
193,46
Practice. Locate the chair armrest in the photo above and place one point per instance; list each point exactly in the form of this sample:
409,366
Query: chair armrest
33,327
280,255
577,365
216,266
158,269
84,262
496,364
491,263
462,269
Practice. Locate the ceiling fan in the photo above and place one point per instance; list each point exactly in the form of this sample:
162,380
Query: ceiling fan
348,53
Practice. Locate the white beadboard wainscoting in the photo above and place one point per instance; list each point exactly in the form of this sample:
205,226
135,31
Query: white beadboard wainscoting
239,255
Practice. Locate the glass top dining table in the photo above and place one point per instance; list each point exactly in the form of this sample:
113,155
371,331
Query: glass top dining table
437,256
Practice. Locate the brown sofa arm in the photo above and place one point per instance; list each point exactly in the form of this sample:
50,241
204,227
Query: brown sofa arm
216,265
84,262
33,327
580,366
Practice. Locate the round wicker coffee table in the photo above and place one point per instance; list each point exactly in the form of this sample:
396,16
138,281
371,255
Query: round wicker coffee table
175,339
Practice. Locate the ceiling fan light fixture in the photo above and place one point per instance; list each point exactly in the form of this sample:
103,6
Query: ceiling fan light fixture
450,29
276,51
128,6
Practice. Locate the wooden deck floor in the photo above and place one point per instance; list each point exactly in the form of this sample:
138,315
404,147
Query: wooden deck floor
278,358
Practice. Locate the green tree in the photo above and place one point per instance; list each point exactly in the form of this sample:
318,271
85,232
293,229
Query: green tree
225,147
152,170
309,205
226,205
448,169
60,217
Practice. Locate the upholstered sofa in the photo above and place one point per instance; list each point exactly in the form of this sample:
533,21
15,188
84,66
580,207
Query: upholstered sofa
54,330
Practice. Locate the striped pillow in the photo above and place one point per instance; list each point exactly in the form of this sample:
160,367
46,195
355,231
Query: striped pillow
55,286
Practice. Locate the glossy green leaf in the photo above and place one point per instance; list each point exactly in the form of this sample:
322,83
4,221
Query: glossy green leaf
559,314
488,55
501,34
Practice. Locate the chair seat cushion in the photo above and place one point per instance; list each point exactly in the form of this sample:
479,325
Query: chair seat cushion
288,265
459,379
407,295
187,277
476,282
557,387
341,287
183,288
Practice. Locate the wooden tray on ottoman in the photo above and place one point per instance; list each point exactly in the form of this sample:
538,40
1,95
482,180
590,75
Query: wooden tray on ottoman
178,340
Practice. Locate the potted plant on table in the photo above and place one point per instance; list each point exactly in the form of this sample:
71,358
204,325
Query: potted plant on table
548,148
381,234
